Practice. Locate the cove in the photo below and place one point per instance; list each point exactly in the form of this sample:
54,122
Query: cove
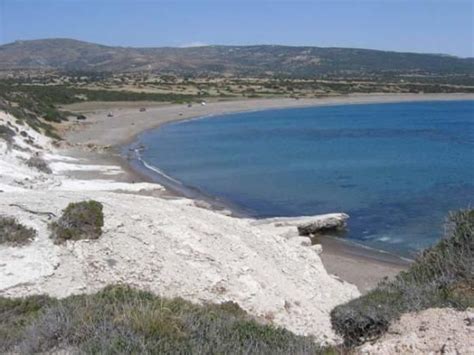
397,169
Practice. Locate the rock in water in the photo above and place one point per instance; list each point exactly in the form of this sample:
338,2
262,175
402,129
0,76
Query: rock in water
333,223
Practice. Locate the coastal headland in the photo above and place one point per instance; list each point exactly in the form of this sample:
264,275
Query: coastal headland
165,243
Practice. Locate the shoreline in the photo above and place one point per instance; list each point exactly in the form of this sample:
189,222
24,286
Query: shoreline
351,262
129,122
348,260
136,166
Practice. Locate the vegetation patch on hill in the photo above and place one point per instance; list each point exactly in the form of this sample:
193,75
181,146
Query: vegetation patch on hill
14,233
80,220
43,100
7,134
26,111
119,319
442,276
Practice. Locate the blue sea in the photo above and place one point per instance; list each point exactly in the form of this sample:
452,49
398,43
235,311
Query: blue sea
396,169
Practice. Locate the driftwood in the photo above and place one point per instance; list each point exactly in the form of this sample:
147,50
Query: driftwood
49,214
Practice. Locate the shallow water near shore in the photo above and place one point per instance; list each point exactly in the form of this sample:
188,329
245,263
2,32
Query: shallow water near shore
396,169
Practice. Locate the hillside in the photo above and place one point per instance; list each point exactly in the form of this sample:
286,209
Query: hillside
170,247
68,54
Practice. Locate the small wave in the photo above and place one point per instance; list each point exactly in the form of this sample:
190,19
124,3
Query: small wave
155,169
377,250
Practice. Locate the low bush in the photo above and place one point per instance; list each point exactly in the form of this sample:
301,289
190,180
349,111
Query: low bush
81,220
15,315
39,163
119,320
14,233
7,134
442,276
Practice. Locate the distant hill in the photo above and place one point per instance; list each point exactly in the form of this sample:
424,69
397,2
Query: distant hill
68,54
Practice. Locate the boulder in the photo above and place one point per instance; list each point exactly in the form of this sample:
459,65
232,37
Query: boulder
323,225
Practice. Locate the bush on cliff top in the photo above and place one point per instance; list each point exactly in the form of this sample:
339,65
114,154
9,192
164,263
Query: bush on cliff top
14,233
81,220
442,276
119,320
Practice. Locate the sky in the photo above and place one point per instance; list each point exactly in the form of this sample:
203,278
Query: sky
429,26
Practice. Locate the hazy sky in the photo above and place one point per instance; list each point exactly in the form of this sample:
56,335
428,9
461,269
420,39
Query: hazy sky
435,26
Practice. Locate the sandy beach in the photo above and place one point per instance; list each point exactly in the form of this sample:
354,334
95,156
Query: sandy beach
127,121
358,265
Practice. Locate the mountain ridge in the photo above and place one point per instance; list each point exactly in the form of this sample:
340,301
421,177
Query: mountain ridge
73,40
264,59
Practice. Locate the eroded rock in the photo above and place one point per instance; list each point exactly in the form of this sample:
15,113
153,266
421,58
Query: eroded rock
320,225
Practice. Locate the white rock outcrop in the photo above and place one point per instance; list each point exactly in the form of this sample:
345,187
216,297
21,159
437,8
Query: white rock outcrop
433,331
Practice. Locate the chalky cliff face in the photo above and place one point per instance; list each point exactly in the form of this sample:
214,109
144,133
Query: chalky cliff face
171,247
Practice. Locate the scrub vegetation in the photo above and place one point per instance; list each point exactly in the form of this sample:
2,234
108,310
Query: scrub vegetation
81,220
119,320
442,276
13,233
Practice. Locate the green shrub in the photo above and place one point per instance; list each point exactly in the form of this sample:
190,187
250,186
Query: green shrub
81,220
15,315
14,233
442,276
119,320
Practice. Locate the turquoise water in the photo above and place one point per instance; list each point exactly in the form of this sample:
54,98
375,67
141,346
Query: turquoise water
396,169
